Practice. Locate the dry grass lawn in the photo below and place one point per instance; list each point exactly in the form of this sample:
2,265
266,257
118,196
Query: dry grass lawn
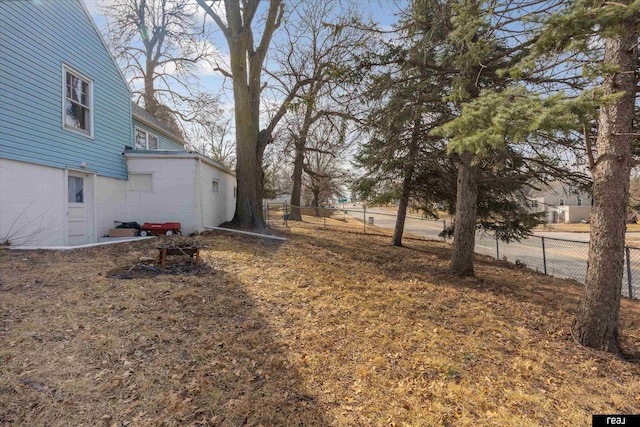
580,228
325,329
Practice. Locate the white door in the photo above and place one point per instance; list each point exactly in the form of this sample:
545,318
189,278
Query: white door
79,212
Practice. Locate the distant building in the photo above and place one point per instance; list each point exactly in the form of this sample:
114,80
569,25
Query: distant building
560,202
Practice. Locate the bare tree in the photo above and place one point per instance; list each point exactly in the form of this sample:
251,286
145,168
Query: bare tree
236,21
212,137
161,44
325,176
277,169
319,55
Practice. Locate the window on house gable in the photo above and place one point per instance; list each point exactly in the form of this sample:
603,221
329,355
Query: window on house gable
145,140
152,142
141,140
579,201
561,202
216,186
78,102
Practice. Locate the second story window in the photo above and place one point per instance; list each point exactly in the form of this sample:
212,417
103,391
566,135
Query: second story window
78,102
145,140
579,201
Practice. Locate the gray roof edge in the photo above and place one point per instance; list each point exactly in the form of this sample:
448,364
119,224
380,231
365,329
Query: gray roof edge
177,154
148,119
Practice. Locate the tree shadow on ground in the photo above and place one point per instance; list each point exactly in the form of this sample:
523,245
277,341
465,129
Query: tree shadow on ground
192,350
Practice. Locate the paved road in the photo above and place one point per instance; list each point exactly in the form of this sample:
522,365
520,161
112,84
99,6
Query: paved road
565,254
384,218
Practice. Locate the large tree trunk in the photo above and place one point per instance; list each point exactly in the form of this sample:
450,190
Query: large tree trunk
249,149
464,234
150,102
246,61
249,175
596,324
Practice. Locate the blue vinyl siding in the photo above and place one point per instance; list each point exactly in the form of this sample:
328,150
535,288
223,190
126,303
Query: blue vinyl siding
38,38
164,142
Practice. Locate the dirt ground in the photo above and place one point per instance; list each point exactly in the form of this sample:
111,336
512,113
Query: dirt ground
325,329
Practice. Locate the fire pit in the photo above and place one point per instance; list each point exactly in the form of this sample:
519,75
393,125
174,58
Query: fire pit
193,252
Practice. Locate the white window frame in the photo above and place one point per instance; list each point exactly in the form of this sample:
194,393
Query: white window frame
73,202
88,133
146,139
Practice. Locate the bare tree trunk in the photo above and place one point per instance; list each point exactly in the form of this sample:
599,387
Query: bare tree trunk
150,102
316,200
596,324
296,191
464,234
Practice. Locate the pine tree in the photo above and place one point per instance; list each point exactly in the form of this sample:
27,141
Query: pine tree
518,117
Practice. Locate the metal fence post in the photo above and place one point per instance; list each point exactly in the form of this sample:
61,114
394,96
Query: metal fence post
626,248
544,257
364,217
267,215
497,248
286,215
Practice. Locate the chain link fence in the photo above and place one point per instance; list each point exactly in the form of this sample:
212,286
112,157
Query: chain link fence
348,217
559,258
555,257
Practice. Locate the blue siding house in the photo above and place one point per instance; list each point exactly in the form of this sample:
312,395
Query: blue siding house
66,122
61,89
